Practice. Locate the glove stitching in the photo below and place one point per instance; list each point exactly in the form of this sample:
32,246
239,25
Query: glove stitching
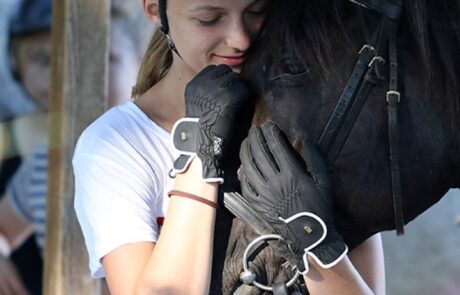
279,208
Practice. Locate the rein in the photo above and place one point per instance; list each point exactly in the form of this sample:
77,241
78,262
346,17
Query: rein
364,77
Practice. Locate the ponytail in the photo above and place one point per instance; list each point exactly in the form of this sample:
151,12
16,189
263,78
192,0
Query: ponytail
155,64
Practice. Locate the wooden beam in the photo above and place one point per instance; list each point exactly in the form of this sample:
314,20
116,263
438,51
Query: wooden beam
78,96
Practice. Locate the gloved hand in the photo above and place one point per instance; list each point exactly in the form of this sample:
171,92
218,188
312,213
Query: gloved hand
291,194
214,100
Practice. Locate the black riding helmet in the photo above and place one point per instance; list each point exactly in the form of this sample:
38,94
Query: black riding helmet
33,16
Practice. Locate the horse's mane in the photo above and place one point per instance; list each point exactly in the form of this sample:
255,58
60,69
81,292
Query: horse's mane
311,29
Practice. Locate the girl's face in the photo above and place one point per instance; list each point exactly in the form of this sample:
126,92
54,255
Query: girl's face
33,66
214,31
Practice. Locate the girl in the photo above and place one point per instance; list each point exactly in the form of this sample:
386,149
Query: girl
122,161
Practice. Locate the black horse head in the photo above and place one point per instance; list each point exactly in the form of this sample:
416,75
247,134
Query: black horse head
305,60
300,68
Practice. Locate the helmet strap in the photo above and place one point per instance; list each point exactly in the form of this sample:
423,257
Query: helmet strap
165,26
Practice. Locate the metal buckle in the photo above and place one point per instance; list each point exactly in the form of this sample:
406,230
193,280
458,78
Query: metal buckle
376,59
393,92
368,47
249,277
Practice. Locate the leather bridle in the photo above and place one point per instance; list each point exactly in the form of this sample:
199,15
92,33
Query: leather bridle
364,77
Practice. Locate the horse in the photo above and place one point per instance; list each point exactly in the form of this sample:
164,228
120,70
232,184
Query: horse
299,70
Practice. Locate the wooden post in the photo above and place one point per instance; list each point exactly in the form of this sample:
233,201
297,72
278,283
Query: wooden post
78,96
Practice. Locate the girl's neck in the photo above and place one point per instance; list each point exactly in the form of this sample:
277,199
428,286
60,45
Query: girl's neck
164,102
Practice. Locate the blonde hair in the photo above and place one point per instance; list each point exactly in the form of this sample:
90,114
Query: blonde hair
155,64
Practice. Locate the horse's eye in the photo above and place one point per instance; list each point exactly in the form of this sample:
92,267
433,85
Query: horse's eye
291,73
294,69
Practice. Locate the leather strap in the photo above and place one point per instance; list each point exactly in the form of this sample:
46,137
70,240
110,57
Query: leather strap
165,26
391,8
340,122
349,121
365,75
330,130
163,18
393,99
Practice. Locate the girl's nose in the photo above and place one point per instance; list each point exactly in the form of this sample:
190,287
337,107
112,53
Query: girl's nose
238,36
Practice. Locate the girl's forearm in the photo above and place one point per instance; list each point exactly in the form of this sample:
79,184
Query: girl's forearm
181,261
361,272
340,279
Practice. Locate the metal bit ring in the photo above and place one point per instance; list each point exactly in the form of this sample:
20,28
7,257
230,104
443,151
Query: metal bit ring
247,270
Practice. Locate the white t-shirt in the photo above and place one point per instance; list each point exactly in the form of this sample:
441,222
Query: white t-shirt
121,166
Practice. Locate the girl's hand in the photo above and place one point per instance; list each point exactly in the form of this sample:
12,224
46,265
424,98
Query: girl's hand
293,194
10,281
214,101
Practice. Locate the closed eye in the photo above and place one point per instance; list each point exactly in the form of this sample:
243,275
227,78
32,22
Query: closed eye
209,22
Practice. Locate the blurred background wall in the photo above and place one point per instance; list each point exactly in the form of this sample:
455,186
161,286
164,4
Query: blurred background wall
426,260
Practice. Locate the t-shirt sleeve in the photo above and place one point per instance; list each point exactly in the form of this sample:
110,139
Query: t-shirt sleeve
115,196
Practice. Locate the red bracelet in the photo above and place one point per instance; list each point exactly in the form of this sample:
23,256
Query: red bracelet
193,197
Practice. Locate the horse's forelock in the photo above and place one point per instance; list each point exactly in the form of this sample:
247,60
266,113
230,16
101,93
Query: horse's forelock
305,28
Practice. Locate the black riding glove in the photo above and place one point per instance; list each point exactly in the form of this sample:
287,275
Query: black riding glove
213,101
292,195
